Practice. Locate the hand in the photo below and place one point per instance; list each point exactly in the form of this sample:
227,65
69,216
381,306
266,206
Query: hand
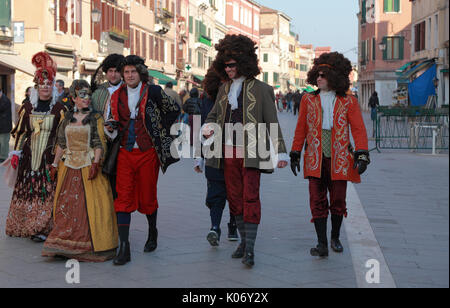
362,160
111,125
295,161
198,169
93,171
207,131
282,164
53,173
15,161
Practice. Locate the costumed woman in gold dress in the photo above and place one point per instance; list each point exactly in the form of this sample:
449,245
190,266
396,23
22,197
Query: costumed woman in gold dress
85,226
32,200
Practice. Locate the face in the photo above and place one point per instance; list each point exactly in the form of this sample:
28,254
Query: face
29,92
131,76
83,99
59,87
45,90
113,76
231,69
322,82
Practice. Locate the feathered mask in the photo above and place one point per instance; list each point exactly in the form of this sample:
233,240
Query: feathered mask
45,68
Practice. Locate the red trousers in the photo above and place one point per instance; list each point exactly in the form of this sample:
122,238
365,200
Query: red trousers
318,189
242,186
137,180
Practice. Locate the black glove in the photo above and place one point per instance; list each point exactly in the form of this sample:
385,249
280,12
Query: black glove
362,160
295,161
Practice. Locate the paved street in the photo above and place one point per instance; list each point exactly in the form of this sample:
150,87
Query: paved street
403,198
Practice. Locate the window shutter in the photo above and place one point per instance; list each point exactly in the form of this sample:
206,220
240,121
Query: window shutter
402,48
363,12
397,6
191,24
62,16
385,49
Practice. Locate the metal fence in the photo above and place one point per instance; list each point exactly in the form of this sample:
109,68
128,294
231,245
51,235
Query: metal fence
412,128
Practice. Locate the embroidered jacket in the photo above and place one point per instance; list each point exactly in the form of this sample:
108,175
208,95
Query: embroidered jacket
157,113
347,115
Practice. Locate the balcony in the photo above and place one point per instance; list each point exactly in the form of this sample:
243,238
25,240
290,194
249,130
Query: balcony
205,40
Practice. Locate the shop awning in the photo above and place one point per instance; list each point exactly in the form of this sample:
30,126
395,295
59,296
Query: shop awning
405,78
402,69
17,63
162,79
201,78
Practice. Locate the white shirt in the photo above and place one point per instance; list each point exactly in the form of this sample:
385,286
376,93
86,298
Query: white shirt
235,90
328,100
111,90
133,99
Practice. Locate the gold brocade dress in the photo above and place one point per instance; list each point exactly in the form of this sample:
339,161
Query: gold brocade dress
85,226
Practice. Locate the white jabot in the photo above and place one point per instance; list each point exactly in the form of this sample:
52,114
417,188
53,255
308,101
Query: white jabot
133,99
235,90
328,100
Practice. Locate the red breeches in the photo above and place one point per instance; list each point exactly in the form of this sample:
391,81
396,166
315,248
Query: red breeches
318,189
137,180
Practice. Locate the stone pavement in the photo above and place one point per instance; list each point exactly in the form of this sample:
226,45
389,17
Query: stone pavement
404,195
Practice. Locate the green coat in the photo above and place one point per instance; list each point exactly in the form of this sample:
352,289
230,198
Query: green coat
100,98
258,108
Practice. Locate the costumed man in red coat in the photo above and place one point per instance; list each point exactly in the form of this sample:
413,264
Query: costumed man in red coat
143,114
325,120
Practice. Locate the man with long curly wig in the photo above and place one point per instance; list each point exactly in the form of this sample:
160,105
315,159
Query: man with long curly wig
244,101
325,120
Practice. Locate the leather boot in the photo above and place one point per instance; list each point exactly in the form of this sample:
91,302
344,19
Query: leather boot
321,250
335,243
240,252
152,240
124,254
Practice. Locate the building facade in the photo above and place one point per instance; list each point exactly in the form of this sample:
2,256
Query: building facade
430,40
384,46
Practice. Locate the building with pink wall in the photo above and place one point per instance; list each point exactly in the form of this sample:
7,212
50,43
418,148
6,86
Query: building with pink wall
384,47
321,50
243,17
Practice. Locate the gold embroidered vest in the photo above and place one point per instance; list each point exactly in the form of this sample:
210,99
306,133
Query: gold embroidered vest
78,153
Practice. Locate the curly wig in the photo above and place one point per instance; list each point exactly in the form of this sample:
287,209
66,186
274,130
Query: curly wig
336,69
137,62
241,49
77,85
212,83
111,61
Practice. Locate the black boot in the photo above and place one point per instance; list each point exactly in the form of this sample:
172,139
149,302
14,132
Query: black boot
124,255
321,250
152,240
240,251
251,231
232,232
336,222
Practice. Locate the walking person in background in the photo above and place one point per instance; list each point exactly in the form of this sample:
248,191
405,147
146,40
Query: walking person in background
289,96
5,125
326,118
374,102
173,94
216,198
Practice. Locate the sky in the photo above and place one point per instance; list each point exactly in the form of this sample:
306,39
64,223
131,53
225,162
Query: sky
323,22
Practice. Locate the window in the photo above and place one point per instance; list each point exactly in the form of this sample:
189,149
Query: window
363,12
266,57
275,77
191,24
266,77
374,44
419,36
303,67
236,11
394,48
391,6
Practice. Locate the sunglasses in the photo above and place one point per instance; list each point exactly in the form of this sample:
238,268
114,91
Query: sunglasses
231,65
321,75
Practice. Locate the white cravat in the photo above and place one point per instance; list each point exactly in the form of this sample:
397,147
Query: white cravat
235,90
133,99
328,99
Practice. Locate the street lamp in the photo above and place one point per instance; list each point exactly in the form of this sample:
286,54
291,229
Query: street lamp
382,46
96,15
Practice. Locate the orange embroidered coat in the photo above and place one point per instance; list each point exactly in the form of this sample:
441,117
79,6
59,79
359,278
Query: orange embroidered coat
347,114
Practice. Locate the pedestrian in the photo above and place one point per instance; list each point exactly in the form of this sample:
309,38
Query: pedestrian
169,91
85,227
32,200
216,197
374,102
243,99
103,90
328,161
289,96
62,95
143,114
192,107
296,98
5,125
